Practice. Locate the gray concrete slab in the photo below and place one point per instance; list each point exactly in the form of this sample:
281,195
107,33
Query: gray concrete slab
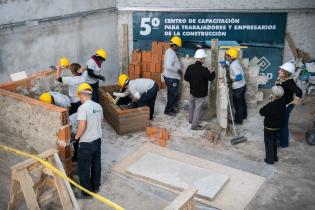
179,174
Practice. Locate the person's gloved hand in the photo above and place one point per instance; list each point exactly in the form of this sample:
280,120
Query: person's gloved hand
102,78
115,94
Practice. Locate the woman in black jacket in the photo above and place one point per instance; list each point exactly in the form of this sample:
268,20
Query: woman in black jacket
292,96
274,113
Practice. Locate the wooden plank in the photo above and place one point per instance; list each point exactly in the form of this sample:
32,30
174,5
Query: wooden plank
61,189
26,183
70,191
47,197
291,44
125,52
185,200
15,194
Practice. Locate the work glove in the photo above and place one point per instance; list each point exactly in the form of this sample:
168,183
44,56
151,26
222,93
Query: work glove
296,101
102,78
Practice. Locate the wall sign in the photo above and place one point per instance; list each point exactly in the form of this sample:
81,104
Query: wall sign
201,26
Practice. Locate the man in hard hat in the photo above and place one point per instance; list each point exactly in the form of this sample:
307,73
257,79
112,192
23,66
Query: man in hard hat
73,83
198,77
89,134
172,74
238,85
274,113
92,74
142,91
55,98
292,95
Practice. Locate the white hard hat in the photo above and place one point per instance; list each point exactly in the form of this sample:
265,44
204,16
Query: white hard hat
277,91
289,67
201,53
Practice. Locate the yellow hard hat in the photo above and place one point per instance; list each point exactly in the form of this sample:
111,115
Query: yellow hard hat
84,86
176,40
233,52
101,53
122,79
64,62
45,97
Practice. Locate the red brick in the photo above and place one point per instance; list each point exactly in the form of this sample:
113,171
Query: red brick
158,67
65,152
143,67
162,143
67,164
137,70
157,48
134,57
152,69
146,56
156,77
148,67
64,133
146,74
163,85
150,131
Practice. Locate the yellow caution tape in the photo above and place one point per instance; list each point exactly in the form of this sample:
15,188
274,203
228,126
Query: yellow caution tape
62,175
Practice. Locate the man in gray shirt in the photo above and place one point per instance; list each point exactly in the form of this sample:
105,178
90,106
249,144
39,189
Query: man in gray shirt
89,134
172,75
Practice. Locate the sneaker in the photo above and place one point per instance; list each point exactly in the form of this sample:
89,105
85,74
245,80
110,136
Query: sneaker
196,127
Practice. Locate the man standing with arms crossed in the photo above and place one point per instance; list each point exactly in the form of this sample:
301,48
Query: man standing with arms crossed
89,134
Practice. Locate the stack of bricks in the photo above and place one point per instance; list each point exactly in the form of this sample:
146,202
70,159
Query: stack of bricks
65,149
160,135
149,64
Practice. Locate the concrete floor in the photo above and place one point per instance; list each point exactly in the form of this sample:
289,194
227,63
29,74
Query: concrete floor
290,183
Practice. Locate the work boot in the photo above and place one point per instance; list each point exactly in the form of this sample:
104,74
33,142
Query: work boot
171,114
196,127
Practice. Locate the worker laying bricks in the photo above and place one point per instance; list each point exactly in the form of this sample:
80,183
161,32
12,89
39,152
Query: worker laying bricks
92,74
89,134
198,77
274,113
142,91
73,83
238,85
290,88
172,74
55,98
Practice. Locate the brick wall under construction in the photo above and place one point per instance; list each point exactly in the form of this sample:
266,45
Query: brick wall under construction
31,125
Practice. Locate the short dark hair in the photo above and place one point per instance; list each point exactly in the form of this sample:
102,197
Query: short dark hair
74,67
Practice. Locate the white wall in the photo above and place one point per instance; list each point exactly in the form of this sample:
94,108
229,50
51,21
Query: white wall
34,48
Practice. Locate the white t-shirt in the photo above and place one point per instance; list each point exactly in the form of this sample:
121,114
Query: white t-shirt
235,69
91,64
60,99
172,65
73,83
73,122
138,86
92,113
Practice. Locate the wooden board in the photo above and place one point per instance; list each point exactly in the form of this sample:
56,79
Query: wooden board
236,194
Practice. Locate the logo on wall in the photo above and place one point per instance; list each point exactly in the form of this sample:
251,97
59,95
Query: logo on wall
263,63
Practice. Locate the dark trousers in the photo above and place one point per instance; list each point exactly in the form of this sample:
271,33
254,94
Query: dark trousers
148,99
270,138
284,131
172,94
95,96
89,165
239,102
74,107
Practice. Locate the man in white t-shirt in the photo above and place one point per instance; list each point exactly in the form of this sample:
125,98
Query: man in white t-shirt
89,134
238,85
142,91
92,73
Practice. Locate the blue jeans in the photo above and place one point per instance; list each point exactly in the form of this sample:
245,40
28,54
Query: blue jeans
239,102
89,165
284,131
148,99
172,94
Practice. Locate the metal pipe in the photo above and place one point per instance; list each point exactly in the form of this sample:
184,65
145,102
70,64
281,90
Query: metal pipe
56,18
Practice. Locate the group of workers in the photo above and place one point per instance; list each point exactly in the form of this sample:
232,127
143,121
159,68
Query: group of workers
86,115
